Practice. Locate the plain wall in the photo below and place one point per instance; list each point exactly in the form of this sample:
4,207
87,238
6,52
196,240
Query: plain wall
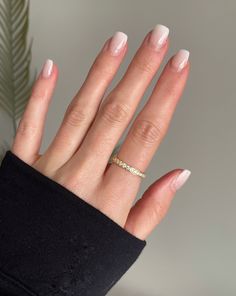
192,251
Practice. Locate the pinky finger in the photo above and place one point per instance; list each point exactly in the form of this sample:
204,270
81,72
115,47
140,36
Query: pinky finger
149,210
29,133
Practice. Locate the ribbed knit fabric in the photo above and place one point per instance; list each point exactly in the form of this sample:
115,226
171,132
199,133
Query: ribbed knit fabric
52,242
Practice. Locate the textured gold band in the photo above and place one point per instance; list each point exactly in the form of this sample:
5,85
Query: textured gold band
124,165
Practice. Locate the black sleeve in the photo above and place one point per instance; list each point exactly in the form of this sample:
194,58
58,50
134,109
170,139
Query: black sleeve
52,242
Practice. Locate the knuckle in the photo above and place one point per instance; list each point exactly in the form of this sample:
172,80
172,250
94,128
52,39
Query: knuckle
146,132
75,116
144,64
114,112
101,68
26,128
38,94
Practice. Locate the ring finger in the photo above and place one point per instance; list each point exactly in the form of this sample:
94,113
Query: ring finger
149,127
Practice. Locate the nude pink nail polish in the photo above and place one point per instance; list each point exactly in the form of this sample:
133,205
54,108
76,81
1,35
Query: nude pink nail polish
47,68
179,61
181,179
158,36
117,43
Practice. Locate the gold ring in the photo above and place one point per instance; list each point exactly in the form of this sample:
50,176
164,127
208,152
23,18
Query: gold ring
124,165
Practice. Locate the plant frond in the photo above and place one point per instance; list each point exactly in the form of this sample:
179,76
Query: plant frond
15,57
3,149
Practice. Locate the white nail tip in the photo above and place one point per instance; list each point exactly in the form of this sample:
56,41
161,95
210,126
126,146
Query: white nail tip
118,41
180,59
181,179
47,68
159,35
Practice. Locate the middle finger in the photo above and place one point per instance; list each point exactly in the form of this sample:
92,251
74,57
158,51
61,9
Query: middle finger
120,105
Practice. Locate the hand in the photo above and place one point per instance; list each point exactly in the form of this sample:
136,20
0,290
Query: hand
79,154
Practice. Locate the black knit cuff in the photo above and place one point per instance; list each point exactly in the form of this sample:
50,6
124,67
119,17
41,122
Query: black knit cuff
52,242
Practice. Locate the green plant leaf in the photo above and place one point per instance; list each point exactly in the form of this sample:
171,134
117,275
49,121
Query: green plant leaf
4,147
15,58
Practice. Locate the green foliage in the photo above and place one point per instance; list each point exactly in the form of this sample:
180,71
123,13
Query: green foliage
15,58
3,149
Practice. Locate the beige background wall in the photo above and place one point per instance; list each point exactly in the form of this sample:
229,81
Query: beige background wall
192,252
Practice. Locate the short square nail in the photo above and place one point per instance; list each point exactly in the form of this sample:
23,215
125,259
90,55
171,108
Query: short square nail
180,60
158,36
47,68
117,43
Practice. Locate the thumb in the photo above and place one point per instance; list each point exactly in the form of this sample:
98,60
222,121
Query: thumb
152,207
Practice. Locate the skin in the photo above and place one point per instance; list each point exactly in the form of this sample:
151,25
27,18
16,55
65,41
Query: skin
91,128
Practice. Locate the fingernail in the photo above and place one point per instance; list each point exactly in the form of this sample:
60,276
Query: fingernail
181,179
158,36
47,68
117,43
179,61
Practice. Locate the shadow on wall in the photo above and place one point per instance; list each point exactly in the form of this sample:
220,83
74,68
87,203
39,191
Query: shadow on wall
124,291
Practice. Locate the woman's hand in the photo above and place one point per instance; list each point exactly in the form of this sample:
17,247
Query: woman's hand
79,154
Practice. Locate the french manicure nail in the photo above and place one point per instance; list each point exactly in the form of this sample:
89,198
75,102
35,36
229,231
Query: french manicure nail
47,68
158,36
117,43
181,179
180,59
